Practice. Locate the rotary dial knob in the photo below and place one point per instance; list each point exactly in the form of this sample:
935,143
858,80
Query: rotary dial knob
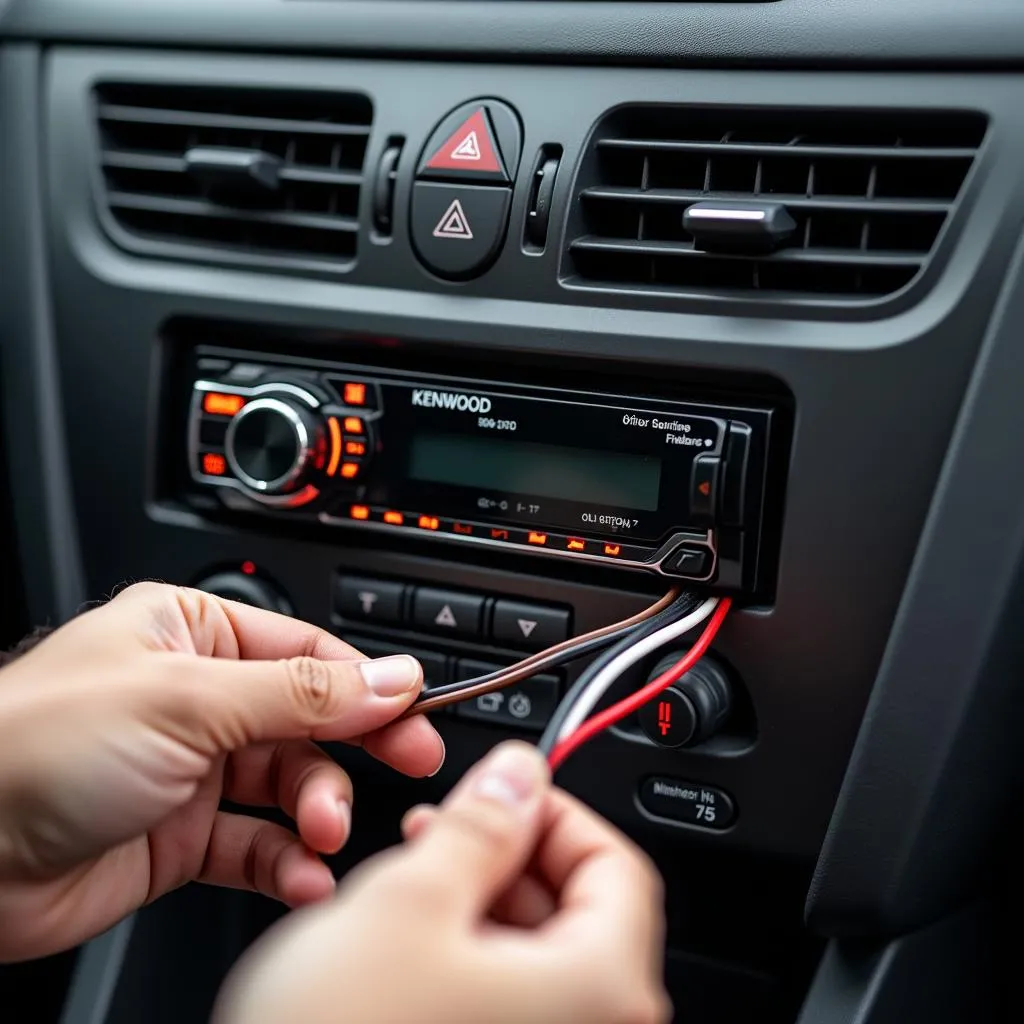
271,444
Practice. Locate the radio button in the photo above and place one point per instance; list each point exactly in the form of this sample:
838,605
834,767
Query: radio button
457,230
357,597
212,431
534,626
447,611
692,561
704,484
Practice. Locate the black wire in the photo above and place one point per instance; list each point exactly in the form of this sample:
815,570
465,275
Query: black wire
592,646
681,606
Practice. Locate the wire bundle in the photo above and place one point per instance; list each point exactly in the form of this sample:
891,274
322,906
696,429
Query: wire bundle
624,644
570,728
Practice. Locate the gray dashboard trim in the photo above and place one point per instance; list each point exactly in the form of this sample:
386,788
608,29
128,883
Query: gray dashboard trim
793,32
32,411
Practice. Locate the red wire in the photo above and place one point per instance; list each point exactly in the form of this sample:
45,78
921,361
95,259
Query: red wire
603,719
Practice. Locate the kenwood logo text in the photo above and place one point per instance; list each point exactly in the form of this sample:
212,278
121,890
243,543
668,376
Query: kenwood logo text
450,400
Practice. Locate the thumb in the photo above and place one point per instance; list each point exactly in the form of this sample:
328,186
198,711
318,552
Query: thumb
245,702
486,830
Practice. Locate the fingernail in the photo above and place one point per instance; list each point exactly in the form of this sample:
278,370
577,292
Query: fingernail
391,677
444,754
512,774
345,817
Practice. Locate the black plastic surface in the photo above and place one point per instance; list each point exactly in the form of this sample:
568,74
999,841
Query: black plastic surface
950,973
867,32
936,774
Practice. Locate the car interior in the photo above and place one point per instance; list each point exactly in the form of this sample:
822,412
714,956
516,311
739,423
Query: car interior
465,327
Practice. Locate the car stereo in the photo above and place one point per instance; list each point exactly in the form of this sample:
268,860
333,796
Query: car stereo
664,486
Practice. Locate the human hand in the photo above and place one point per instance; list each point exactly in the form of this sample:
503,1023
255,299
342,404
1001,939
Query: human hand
511,903
121,733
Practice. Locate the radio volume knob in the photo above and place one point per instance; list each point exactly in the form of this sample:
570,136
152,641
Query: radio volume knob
272,442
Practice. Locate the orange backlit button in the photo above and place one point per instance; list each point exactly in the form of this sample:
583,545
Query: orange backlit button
537,538
463,528
614,550
354,393
335,429
359,512
214,464
217,404
350,470
353,425
499,534
429,522
394,518
575,544
355,448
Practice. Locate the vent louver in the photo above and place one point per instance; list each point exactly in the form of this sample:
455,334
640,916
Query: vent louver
162,146
869,194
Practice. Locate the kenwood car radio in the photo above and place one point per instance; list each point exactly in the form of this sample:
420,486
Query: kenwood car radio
663,486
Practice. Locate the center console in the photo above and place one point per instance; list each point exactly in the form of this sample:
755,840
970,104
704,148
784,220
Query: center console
464,358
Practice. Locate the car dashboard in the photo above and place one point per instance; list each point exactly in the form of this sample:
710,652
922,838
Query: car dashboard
460,328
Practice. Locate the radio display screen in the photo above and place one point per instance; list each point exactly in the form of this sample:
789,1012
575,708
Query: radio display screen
607,478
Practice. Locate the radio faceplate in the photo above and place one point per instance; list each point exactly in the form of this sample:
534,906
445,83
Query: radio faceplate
670,487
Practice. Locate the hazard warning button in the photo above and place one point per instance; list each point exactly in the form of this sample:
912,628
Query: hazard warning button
457,230
478,143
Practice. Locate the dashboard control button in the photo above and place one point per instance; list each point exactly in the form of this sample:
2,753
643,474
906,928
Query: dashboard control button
212,431
247,589
528,704
447,611
435,664
687,802
457,230
479,142
704,483
689,560
359,597
670,720
534,626
691,710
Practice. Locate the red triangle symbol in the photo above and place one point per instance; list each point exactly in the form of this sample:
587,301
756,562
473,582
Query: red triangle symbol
470,148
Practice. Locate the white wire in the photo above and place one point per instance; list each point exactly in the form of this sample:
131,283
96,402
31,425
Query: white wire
603,681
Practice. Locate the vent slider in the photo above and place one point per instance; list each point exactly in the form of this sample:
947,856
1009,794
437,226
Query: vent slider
227,175
739,227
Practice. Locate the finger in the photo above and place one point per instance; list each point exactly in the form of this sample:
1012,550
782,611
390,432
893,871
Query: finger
412,747
417,820
485,831
217,704
246,853
527,903
301,779
605,885
229,629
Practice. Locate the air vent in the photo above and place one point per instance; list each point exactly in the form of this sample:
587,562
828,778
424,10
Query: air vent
237,175
867,195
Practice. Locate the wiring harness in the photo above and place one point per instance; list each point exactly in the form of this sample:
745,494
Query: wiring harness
623,645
